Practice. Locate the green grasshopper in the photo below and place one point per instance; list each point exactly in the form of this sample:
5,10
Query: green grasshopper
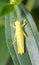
19,36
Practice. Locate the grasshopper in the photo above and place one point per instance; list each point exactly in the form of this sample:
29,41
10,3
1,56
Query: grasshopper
19,36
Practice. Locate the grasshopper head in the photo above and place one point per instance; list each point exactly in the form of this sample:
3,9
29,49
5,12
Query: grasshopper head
17,23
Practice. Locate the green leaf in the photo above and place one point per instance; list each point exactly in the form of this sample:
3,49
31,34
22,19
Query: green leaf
17,59
29,5
2,22
18,2
6,9
4,54
31,54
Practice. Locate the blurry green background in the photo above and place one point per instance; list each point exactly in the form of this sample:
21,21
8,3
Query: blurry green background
33,7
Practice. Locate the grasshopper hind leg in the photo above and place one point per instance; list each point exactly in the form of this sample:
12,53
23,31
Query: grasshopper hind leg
14,41
26,36
13,26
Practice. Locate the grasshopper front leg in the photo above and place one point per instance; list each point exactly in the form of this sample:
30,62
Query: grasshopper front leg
24,23
13,26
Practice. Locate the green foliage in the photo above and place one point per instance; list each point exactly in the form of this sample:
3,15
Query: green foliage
17,59
20,13
6,9
12,12
4,54
18,2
